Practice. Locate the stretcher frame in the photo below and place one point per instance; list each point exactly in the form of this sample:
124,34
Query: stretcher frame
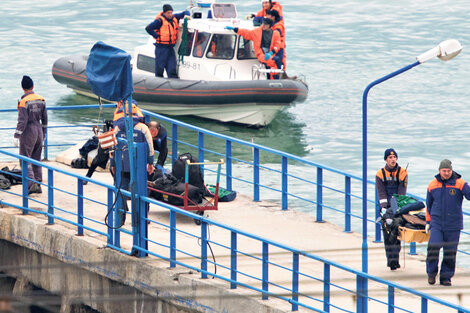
190,205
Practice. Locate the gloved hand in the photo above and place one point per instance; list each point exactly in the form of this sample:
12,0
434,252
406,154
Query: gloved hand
268,55
428,228
16,142
383,211
249,16
229,28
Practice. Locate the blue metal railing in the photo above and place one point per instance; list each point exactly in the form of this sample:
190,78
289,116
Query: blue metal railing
295,295
289,290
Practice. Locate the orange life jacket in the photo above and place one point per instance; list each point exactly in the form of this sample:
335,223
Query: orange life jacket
168,32
136,112
279,27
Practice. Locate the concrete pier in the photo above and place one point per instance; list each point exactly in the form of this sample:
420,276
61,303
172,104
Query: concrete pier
82,270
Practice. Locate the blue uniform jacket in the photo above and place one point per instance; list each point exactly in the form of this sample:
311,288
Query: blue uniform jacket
444,202
141,134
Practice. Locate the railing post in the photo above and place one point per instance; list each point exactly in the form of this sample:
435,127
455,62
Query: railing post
50,196
326,287
319,194
203,249
361,293
412,248
25,181
378,233
233,260
118,197
424,305
110,216
255,174
172,238
295,281
284,183
46,143
265,280
174,142
200,148
139,218
80,207
228,163
347,204
391,299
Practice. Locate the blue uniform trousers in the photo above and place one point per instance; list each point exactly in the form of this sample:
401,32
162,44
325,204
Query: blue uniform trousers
165,59
448,240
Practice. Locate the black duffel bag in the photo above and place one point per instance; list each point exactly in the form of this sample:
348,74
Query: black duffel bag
14,175
168,183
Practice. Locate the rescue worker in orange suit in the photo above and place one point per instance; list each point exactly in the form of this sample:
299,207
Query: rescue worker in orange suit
165,31
279,27
266,43
31,130
444,220
390,180
268,5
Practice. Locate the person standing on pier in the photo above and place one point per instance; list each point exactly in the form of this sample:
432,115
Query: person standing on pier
31,130
444,220
390,180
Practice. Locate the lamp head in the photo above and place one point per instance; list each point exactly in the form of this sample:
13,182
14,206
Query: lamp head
445,51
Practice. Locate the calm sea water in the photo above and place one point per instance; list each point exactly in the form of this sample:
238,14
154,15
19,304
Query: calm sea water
339,46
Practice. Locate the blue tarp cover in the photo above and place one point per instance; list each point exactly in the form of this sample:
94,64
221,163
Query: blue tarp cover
108,72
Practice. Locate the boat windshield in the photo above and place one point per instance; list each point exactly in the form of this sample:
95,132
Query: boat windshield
221,46
186,49
201,40
245,49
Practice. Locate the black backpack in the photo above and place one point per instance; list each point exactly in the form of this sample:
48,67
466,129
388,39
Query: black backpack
195,173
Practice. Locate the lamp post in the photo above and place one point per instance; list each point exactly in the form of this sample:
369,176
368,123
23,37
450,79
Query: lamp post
445,51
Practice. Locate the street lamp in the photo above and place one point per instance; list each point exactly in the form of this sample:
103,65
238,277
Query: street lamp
445,51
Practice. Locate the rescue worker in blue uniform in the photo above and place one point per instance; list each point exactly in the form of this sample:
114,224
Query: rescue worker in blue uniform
31,130
159,136
141,134
444,220
165,31
390,180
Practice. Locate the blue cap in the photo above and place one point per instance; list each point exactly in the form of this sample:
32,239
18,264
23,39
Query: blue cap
390,151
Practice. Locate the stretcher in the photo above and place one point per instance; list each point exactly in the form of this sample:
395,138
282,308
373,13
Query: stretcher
189,204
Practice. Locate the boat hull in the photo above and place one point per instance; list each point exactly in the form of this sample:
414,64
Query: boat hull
253,102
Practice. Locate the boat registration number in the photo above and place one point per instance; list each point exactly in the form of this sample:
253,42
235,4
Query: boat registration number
194,66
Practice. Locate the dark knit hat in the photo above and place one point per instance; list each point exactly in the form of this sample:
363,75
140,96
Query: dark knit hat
390,151
268,21
26,82
445,164
167,7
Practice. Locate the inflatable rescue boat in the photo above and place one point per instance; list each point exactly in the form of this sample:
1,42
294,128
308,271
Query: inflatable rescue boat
227,85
